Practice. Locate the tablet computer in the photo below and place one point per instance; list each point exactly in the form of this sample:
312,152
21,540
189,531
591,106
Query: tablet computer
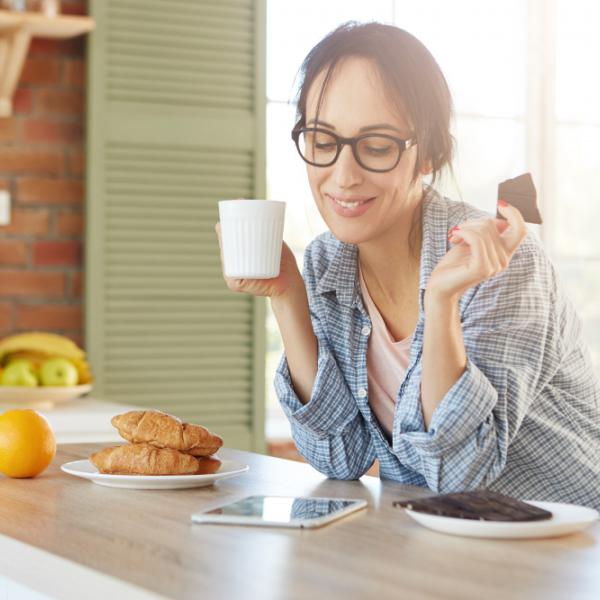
281,511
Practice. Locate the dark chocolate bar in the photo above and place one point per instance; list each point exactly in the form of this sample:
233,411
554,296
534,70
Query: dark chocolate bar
522,183
482,505
520,192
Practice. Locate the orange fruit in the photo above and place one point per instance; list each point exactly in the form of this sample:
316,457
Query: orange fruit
27,443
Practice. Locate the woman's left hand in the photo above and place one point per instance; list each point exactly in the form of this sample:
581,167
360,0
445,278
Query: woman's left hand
483,249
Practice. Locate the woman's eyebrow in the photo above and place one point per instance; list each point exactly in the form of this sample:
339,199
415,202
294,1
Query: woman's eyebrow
318,122
379,126
366,128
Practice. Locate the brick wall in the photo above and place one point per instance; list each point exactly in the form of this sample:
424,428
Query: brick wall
42,165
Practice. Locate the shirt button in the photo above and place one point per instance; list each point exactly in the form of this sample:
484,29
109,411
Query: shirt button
366,330
362,393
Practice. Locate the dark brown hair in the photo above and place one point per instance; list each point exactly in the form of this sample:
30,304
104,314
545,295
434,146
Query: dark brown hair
415,84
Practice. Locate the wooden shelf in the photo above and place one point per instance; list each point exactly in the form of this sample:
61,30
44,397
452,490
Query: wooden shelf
16,31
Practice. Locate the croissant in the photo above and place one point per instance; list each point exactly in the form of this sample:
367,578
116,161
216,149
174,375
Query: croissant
144,459
165,431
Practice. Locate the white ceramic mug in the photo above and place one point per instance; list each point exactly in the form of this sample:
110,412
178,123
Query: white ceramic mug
251,237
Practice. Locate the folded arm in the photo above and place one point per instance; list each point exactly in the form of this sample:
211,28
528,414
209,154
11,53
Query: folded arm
513,349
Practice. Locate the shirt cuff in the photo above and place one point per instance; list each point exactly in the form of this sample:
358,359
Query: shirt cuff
465,411
331,406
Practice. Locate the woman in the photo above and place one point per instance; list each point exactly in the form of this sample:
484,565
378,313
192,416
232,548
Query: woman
424,333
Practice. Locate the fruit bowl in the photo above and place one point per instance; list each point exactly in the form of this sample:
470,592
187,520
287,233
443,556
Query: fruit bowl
41,396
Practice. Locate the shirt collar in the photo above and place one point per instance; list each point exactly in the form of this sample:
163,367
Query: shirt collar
435,233
341,275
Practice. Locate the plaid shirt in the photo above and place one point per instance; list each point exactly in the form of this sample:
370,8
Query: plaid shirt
524,417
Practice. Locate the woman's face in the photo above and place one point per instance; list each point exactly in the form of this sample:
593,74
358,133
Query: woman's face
358,205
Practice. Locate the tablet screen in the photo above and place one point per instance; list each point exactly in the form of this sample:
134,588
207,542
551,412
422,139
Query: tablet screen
283,509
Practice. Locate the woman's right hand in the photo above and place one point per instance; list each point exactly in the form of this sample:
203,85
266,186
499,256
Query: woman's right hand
289,276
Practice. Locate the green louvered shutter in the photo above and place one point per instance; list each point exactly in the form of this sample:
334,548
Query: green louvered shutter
175,123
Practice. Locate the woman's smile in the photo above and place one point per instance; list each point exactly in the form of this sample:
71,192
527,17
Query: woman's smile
350,206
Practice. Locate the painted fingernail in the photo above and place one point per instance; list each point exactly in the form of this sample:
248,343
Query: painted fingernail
502,203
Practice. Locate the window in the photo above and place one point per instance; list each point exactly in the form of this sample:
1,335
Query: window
527,98
573,162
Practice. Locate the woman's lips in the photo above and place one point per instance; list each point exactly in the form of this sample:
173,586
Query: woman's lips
353,206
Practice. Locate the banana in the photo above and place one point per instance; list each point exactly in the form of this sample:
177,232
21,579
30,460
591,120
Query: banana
35,358
39,341
84,370
37,346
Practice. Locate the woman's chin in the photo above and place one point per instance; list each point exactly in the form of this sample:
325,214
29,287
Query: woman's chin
350,230
348,234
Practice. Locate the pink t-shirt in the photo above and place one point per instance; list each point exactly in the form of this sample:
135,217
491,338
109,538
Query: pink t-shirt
387,361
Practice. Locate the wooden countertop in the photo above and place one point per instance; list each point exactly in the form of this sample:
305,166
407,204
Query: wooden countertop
68,537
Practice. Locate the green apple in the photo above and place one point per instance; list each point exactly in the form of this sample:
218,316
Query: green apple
58,371
19,373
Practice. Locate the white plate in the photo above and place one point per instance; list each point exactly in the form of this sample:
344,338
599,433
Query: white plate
566,518
41,396
85,469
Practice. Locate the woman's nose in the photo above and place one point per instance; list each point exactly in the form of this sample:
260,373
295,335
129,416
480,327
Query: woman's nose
347,172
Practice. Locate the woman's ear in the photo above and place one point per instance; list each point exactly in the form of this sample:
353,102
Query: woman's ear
426,168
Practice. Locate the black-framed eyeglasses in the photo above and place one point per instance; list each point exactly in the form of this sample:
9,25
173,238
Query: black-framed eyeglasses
378,152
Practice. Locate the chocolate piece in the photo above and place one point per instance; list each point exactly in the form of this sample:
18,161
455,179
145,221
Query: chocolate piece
520,192
482,505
